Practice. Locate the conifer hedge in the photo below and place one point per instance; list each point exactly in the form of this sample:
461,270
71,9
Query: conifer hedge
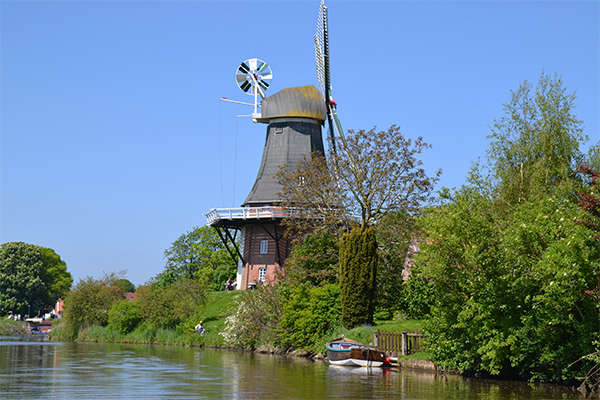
358,275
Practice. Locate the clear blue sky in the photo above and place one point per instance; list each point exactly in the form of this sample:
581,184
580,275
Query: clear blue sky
114,141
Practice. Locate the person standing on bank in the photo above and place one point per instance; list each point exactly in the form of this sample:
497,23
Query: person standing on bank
200,329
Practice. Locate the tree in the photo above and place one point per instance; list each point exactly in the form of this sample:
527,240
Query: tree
198,253
358,276
90,301
56,277
314,260
373,174
309,314
21,284
534,147
169,306
31,277
505,264
125,285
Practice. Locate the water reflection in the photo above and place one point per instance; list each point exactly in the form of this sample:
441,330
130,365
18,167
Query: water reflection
32,367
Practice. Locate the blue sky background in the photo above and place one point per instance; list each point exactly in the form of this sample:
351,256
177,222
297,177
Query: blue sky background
114,141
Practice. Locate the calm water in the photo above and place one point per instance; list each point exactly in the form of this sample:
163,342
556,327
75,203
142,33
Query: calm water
31,367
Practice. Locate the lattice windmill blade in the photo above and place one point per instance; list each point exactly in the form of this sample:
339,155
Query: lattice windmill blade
321,39
254,76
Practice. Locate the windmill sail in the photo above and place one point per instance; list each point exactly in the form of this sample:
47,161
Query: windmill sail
322,61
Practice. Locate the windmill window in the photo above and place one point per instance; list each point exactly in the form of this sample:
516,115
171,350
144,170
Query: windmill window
278,130
262,274
264,246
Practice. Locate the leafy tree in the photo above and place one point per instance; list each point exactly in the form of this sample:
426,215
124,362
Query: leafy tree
56,277
124,316
198,253
125,285
31,276
308,315
395,231
169,306
534,147
504,263
509,295
373,174
89,303
256,319
21,284
314,260
358,277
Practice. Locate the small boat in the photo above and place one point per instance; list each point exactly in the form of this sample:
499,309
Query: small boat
344,351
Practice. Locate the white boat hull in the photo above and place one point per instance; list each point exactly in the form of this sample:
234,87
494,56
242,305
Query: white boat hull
352,362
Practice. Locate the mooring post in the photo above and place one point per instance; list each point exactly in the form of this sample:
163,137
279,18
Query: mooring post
404,343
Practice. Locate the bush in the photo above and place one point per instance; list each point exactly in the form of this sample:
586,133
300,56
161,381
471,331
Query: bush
124,316
256,318
309,314
166,307
89,304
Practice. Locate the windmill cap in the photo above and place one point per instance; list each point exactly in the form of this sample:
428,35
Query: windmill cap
296,102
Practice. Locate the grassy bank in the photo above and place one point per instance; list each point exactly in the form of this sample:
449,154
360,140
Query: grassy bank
11,328
219,306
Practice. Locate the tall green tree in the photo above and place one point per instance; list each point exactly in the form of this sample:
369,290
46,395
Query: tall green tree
56,277
535,145
373,174
505,261
198,253
358,276
31,277
90,302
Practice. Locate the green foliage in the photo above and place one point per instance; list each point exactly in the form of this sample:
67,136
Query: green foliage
256,318
89,303
358,276
314,260
124,316
510,295
11,328
535,145
166,307
418,296
125,285
21,268
31,276
394,234
198,253
507,270
309,314
55,275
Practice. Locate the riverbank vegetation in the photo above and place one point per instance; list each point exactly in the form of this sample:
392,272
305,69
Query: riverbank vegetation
11,328
504,277
32,278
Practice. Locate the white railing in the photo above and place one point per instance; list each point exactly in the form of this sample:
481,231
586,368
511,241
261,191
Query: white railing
242,213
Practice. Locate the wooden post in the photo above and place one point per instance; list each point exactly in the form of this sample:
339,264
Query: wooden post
404,343
376,338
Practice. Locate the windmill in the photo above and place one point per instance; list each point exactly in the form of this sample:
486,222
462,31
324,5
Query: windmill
321,39
294,117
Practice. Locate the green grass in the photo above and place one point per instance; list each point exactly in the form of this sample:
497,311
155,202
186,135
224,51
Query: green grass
9,328
218,307
399,326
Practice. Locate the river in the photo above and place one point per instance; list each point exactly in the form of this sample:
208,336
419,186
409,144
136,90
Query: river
31,367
